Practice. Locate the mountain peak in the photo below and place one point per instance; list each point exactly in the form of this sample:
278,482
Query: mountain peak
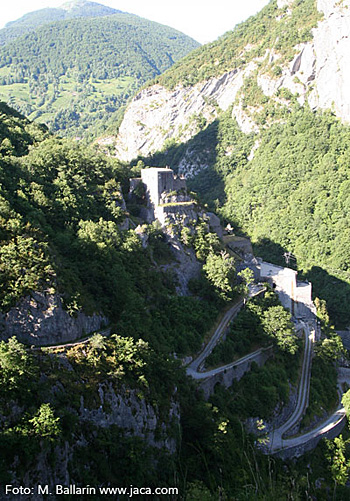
74,5
84,44
69,10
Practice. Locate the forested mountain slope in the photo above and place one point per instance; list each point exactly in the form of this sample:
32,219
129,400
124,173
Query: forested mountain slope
258,121
76,74
64,230
118,410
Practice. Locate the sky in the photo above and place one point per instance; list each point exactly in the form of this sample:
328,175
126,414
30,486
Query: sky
203,20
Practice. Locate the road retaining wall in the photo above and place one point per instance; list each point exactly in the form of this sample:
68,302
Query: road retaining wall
298,450
236,371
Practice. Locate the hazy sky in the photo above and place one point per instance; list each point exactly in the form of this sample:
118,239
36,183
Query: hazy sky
203,20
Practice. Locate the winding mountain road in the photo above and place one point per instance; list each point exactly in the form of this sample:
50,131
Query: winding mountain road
203,375
69,344
195,365
276,437
275,440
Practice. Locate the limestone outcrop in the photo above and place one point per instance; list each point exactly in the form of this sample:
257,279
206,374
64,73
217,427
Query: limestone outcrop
39,319
157,114
125,409
134,415
173,207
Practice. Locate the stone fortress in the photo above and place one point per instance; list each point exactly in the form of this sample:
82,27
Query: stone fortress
166,193
169,203
168,200
293,294
159,181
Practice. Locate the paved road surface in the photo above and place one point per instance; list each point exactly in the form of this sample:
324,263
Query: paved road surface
195,366
276,437
203,375
69,344
277,442
229,315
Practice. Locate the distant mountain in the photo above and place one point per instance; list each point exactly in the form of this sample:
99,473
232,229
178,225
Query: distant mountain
69,10
76,73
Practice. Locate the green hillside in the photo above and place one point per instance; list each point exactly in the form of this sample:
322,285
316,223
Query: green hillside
60,216
294,196
247,41
76,75
67,227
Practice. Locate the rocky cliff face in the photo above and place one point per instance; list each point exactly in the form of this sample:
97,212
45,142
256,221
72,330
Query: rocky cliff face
157,114
127,410
331,47
319,74
40,320
134,415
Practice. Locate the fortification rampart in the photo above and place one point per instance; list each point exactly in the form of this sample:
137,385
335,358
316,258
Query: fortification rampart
176,213
166,194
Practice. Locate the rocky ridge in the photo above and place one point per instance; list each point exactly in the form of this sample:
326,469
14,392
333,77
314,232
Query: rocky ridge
39,319
318,74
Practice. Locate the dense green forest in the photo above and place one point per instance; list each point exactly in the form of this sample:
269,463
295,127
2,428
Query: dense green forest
61,210
76,75
60,215
251,330
65,229
291,195
295,193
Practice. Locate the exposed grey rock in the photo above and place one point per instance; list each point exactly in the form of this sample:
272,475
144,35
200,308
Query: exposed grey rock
283,410
39,319
132,413
192,163
157,113
126,410
332,46
215,224
125,224
142,233
186,267
169,203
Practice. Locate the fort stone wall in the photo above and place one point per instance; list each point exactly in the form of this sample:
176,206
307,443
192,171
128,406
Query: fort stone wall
157,180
